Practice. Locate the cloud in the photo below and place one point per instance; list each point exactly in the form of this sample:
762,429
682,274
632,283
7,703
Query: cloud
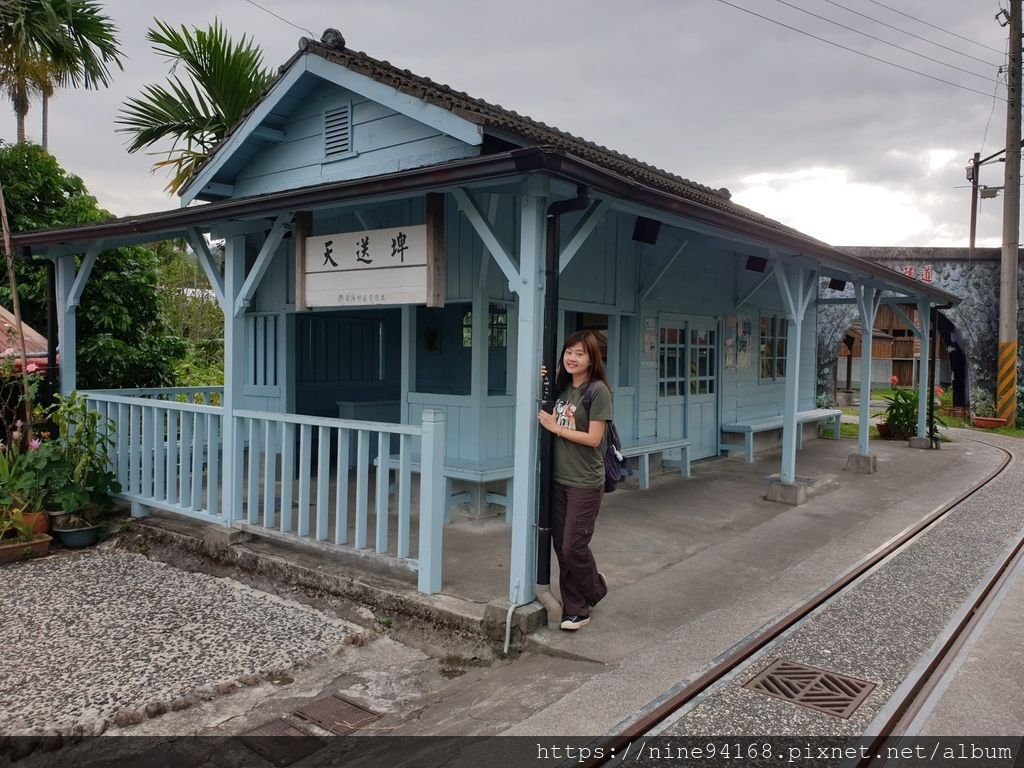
837,145
825,203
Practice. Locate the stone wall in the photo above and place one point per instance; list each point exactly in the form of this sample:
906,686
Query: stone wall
976,319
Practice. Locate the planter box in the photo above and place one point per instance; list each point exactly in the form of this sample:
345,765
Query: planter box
23,550
988,422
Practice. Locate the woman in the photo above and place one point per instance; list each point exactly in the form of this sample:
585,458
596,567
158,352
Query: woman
579,473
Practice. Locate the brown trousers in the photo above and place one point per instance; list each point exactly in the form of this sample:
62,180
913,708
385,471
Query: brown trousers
573,514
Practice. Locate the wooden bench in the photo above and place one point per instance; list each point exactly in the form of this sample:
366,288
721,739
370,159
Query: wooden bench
480,473
643,448
830,416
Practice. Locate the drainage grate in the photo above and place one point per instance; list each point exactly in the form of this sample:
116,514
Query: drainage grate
813,688
280,742
337,715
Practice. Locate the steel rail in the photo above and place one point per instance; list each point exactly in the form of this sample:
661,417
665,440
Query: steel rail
614,744
904,713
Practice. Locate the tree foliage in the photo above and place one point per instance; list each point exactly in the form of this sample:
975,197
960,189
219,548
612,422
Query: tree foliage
224,79
123,339
192,314
47,44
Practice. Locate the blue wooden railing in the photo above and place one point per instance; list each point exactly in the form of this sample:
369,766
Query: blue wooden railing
295,476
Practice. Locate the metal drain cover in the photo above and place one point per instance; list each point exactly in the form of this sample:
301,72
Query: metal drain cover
810,687
280,742
337,715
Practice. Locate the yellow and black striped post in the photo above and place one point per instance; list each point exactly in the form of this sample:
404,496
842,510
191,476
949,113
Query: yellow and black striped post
1006,383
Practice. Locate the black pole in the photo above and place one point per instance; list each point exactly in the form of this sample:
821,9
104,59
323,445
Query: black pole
548,354
52,373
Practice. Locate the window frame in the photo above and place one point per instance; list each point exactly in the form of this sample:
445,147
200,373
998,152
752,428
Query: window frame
773,347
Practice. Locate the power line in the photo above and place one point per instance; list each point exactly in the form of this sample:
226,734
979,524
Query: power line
859,53
984,136
282,18
911,34
885,42
929,24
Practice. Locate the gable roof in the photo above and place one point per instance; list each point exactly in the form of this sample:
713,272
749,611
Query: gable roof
501,122
35,342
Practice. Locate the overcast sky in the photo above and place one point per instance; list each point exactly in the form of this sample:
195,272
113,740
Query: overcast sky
837,145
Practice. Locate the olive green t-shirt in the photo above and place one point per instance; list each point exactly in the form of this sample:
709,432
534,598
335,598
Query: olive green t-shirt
577,465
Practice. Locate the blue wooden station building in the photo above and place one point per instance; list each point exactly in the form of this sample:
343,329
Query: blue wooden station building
384,245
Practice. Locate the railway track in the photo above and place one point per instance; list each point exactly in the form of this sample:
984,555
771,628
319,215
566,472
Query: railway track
896,718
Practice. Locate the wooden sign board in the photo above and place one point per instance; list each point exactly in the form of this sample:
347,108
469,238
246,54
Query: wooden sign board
398,265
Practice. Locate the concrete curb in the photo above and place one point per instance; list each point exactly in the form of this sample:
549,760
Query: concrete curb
234,550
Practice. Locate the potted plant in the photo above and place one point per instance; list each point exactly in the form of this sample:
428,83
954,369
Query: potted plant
74,468
20,490
900,420
76,530
983,411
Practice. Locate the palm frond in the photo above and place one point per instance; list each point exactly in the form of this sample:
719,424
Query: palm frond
224,79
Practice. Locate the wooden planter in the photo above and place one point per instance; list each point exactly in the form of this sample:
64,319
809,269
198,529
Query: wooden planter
988,422
23,550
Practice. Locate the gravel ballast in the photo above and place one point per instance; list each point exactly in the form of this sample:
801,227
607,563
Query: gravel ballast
90,635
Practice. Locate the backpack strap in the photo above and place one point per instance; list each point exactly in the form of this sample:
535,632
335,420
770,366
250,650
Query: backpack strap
588,396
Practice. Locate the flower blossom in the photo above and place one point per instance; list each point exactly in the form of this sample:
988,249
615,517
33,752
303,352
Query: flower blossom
31,367
34,443
894,380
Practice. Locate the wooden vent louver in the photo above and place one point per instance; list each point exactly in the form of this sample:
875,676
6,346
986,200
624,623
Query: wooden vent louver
338,131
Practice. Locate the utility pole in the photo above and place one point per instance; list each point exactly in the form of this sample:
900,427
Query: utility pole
1006,371
973,178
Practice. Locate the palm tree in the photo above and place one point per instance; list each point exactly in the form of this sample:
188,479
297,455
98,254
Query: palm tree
225,79
47,44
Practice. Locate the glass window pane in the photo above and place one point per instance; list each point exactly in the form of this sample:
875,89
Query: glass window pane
670,388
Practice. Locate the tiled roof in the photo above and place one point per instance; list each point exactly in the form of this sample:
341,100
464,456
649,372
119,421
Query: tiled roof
532,131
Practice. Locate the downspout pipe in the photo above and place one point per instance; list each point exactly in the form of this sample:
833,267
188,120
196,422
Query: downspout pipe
549,351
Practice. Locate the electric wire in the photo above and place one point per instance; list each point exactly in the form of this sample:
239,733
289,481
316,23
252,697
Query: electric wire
988,122
859,53
885,42
909,33
282,18
933,26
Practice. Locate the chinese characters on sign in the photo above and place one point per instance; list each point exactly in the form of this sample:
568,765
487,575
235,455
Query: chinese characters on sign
373,267
924,273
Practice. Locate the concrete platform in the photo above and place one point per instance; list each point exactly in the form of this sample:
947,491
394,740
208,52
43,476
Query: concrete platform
714,528
695,566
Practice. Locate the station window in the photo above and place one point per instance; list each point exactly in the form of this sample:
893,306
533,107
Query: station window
774,334
497,327
671,360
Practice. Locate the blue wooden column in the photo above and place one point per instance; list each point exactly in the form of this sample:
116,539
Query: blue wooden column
234,376
924,332
530,288
868,300
798,286
69,293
